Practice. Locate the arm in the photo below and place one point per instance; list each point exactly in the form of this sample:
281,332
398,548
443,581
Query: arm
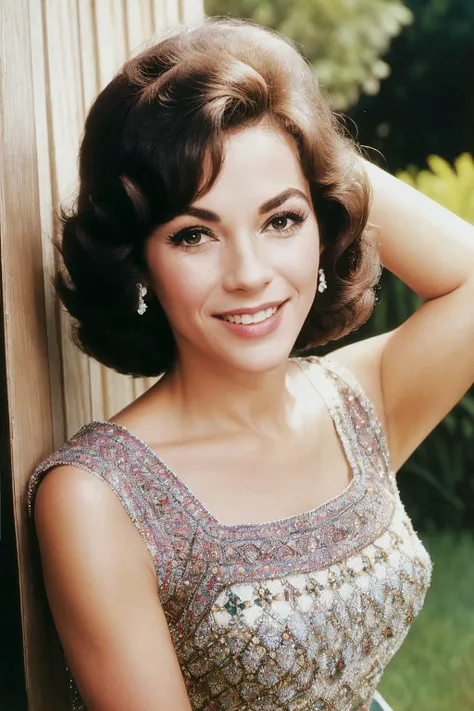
101,587
418,372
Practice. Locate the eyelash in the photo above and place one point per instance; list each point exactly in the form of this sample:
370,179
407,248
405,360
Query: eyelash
177,238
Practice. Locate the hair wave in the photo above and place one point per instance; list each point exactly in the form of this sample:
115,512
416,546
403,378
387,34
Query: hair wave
171,107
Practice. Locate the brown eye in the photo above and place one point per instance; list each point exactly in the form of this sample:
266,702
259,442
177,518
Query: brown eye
287,222
192,237
280,223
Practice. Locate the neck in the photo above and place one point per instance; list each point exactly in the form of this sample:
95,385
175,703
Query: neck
209,397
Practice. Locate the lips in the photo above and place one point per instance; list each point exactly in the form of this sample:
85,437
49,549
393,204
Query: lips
250,309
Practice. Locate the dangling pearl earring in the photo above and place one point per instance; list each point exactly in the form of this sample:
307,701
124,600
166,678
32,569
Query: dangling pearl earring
142,292
322,286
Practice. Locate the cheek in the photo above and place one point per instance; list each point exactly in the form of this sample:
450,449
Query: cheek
179,282
302,263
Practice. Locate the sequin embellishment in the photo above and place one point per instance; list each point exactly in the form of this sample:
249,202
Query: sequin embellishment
301,613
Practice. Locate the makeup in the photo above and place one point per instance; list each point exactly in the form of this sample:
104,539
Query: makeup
255,330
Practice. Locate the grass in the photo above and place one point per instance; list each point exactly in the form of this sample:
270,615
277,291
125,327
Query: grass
434,669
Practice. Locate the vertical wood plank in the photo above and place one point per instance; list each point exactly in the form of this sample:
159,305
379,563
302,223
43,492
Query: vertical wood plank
190,11
47,209
86,21
169,12
158,13
111,39
27,366
64,83
139,24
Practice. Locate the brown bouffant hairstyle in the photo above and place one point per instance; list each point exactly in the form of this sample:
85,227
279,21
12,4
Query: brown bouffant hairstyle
146,139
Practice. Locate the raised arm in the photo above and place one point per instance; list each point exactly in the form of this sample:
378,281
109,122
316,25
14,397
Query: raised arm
102,591
418,372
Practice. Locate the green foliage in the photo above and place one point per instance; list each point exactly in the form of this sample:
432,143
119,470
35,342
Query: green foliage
452,187
344,40
437,482
435,667
426,105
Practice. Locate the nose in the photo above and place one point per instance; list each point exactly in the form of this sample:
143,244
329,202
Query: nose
247,266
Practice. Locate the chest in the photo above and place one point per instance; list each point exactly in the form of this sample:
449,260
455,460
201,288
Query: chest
245,479
317,634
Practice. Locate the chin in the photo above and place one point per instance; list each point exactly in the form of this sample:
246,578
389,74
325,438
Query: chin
261,358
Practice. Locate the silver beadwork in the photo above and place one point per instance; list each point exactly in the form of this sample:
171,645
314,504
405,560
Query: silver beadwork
322,286
299,612
142,292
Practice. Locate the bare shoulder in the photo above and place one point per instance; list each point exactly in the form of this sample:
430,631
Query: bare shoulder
69,481
104,598
78,508
71,487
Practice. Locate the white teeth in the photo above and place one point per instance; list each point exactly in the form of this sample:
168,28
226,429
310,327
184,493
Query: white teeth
251,318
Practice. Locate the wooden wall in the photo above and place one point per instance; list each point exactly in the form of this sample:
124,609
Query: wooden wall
55,55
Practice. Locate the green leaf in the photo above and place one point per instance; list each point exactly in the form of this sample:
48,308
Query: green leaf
344,40
451,186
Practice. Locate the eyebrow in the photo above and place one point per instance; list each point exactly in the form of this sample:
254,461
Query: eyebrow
265,207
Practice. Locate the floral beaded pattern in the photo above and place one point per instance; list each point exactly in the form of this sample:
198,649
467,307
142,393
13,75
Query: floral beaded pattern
299,613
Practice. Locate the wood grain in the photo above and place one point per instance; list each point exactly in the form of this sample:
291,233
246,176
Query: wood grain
27,362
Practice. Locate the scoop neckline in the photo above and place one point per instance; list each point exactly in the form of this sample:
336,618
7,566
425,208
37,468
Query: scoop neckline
199,507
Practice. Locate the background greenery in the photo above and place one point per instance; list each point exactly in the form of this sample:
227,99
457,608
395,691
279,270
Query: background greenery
434,670
402,72
345,54
426,105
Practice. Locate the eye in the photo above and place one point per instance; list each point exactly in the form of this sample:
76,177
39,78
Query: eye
190,238
280,222
288,221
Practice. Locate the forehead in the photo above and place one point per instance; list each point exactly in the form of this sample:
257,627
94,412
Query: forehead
259,162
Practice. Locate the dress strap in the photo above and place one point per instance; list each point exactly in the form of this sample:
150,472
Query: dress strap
350,388
354,415
124,467
328,389
89,450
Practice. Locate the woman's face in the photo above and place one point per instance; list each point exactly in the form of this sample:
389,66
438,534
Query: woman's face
249,245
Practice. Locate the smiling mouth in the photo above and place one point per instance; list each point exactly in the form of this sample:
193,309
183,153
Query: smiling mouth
248,319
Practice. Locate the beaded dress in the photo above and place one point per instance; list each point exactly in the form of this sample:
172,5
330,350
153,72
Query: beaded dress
298,614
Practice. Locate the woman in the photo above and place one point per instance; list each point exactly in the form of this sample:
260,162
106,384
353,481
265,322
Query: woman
241,543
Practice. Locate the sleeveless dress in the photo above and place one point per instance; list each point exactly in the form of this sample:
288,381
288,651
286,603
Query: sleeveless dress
301,613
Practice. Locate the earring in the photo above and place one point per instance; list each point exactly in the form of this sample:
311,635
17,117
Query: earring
322,286
142,292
